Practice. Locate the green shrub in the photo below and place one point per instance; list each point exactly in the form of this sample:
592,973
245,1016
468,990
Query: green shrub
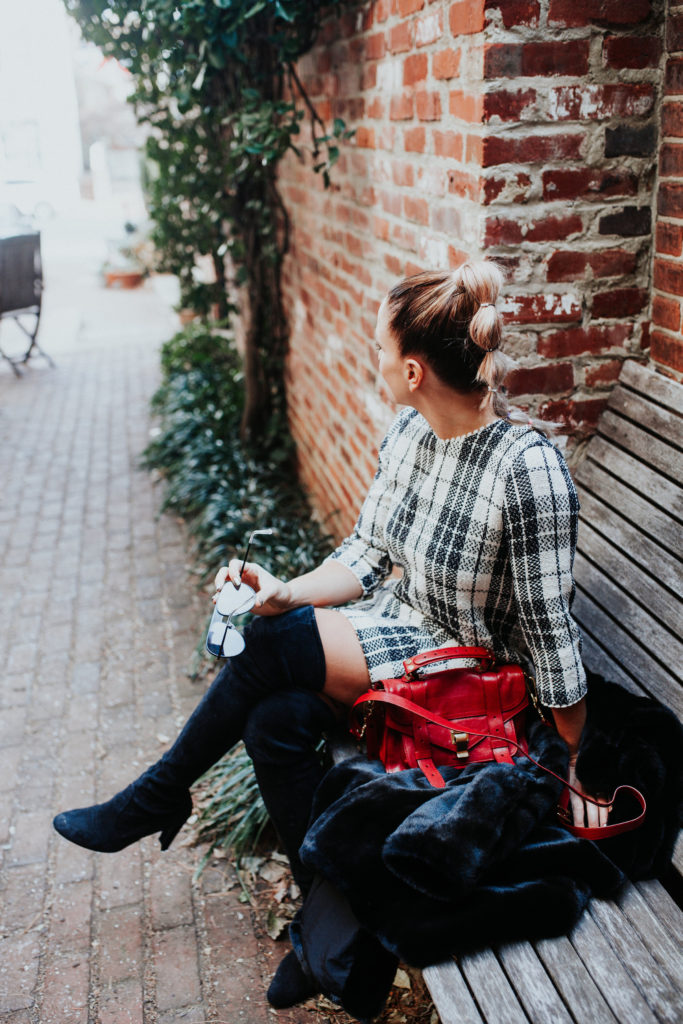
225,490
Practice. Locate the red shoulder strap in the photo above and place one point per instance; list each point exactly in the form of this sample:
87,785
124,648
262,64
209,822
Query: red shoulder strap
582,831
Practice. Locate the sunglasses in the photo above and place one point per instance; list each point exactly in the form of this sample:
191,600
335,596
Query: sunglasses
223,640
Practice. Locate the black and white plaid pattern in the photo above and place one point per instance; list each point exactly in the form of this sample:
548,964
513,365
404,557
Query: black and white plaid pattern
484,528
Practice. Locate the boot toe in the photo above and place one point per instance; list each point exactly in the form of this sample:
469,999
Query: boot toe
291,984
77,828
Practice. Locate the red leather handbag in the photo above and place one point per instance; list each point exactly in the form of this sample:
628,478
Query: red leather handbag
484,706
459,716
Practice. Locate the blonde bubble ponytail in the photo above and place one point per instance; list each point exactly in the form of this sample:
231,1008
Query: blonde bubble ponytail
451,319
482,281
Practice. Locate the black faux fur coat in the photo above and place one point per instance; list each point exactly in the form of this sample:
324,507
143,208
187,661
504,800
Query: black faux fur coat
432,872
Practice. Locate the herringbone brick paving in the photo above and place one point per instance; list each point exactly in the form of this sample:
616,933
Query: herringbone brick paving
98,617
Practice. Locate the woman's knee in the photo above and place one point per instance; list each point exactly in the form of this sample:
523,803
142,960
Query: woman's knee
283,726
346,670
284,650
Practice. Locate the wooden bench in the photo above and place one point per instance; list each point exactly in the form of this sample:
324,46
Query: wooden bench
623,960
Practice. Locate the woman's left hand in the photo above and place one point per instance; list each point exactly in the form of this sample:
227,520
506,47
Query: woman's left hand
583,812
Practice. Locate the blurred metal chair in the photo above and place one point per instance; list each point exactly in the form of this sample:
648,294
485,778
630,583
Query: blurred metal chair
21,291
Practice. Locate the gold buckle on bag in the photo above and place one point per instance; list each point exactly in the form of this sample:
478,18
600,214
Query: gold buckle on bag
459,741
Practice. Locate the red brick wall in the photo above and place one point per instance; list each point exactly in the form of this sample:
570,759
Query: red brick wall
666,342
521,129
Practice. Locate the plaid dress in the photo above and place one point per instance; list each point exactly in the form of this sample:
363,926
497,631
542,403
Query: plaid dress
484,529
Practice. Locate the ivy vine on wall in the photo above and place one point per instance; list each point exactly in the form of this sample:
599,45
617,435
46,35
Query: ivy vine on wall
216,83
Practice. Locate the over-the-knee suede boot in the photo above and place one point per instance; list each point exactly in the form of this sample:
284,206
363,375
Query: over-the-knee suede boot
281,736
282,652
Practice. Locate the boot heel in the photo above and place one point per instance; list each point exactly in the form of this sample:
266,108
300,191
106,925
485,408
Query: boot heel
168,834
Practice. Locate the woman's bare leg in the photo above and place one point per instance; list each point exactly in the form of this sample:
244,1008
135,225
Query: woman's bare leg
346,670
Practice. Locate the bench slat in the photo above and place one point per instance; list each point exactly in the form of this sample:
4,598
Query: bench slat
629,618
598,660
657,938
493,992
650,450
649,382
605,968
451,995
658,602
629,519
677,859
664,907
530,980
646,414
653,982
577,988
627,653
619,528
636,476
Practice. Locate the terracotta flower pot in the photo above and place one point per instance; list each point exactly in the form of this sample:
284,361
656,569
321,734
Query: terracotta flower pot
123,278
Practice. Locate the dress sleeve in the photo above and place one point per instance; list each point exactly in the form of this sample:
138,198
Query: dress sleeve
364,551
541,523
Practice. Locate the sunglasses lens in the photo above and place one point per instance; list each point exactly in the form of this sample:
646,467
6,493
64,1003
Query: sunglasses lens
234,599
214,639
233,643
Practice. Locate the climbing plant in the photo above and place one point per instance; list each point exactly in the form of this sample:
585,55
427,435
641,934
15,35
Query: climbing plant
215,82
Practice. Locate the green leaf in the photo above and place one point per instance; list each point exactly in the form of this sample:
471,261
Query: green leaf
279,9
256,9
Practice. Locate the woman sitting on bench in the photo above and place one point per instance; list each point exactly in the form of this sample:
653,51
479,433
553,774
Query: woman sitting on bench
478,512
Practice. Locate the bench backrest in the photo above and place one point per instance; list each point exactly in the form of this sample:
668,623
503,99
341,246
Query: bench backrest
628,563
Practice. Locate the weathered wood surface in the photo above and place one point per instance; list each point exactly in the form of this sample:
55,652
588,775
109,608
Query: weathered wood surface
532,983
628,635
631,617
598,660
451,994
637,528
627,652
659,990
658,387
603,965
664,907
664,423
645,446
640,585
660,940
580,993
635,476
494,995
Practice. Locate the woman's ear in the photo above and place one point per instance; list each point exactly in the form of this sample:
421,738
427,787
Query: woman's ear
414,373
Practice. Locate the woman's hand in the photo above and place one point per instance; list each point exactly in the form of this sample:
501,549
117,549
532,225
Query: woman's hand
570,722
273,596
583,812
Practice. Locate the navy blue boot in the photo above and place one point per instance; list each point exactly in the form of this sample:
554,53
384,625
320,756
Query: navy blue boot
281,737
145,806
283,652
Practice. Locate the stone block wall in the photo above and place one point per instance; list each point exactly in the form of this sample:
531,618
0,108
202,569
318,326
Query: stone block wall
523,130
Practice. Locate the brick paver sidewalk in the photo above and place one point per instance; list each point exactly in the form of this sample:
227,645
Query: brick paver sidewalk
98,616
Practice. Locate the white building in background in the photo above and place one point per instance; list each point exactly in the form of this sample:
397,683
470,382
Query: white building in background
66,129
40,143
